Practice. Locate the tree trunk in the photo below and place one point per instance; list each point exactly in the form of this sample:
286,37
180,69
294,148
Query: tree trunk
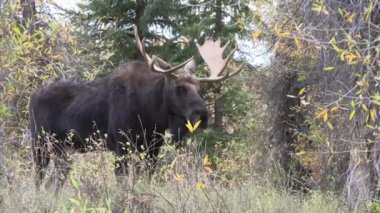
218,112
28,14
218,104
140,10
218,18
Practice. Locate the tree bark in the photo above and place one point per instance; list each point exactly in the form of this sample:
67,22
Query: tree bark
28,14
218,104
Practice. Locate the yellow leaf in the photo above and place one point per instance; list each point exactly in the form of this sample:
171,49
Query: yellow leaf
367,59
283,34
321,114
335,108
206,161
364,107
358,36
189,126
74,201
362,83
328,68
372,114
350,57
350,18
256,34
197,125
297,42
200,186
341,56
325,117
330,125
302,91
208,170
352,114
179,177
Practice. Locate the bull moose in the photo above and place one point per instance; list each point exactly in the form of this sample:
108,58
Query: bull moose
135,104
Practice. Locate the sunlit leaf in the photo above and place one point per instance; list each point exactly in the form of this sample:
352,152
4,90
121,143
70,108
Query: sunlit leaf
297,42
283,34
352,114
256,34
335,108
350,18
321,114
190,126
208,169
328,68
330,125
364,107
372,114
178,177
325,117
353,104
358,36
206,161
200,186
16,30
370,126
74,182
74,201
302,91
196,125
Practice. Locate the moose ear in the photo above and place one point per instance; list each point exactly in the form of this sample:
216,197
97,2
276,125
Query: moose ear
191,67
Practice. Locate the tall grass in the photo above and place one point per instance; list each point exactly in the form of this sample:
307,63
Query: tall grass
184,181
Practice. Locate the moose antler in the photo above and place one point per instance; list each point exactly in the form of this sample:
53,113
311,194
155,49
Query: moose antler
151,61
212,54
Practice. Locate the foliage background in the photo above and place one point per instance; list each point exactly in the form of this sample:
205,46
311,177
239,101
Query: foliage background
298,135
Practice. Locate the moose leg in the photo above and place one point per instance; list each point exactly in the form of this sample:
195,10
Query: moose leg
121,168
121,163
120,151
41,160
153,156
62,165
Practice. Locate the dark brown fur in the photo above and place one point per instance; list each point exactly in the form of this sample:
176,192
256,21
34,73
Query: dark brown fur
132,104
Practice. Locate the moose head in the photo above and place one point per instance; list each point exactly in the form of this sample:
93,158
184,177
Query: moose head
185,102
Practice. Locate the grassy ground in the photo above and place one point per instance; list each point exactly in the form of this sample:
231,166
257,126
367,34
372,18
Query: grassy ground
184,182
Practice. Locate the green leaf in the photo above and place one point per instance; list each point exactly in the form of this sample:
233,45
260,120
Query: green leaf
353,104
376,96
370,126
364,107
302,91
330,125
74,182
328,68
16,30
74,201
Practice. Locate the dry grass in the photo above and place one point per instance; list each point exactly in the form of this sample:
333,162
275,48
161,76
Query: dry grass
183,183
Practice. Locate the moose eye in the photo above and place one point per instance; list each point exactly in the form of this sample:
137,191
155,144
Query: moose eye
180,90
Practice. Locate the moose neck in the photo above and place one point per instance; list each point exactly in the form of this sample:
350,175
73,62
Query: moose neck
155,101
